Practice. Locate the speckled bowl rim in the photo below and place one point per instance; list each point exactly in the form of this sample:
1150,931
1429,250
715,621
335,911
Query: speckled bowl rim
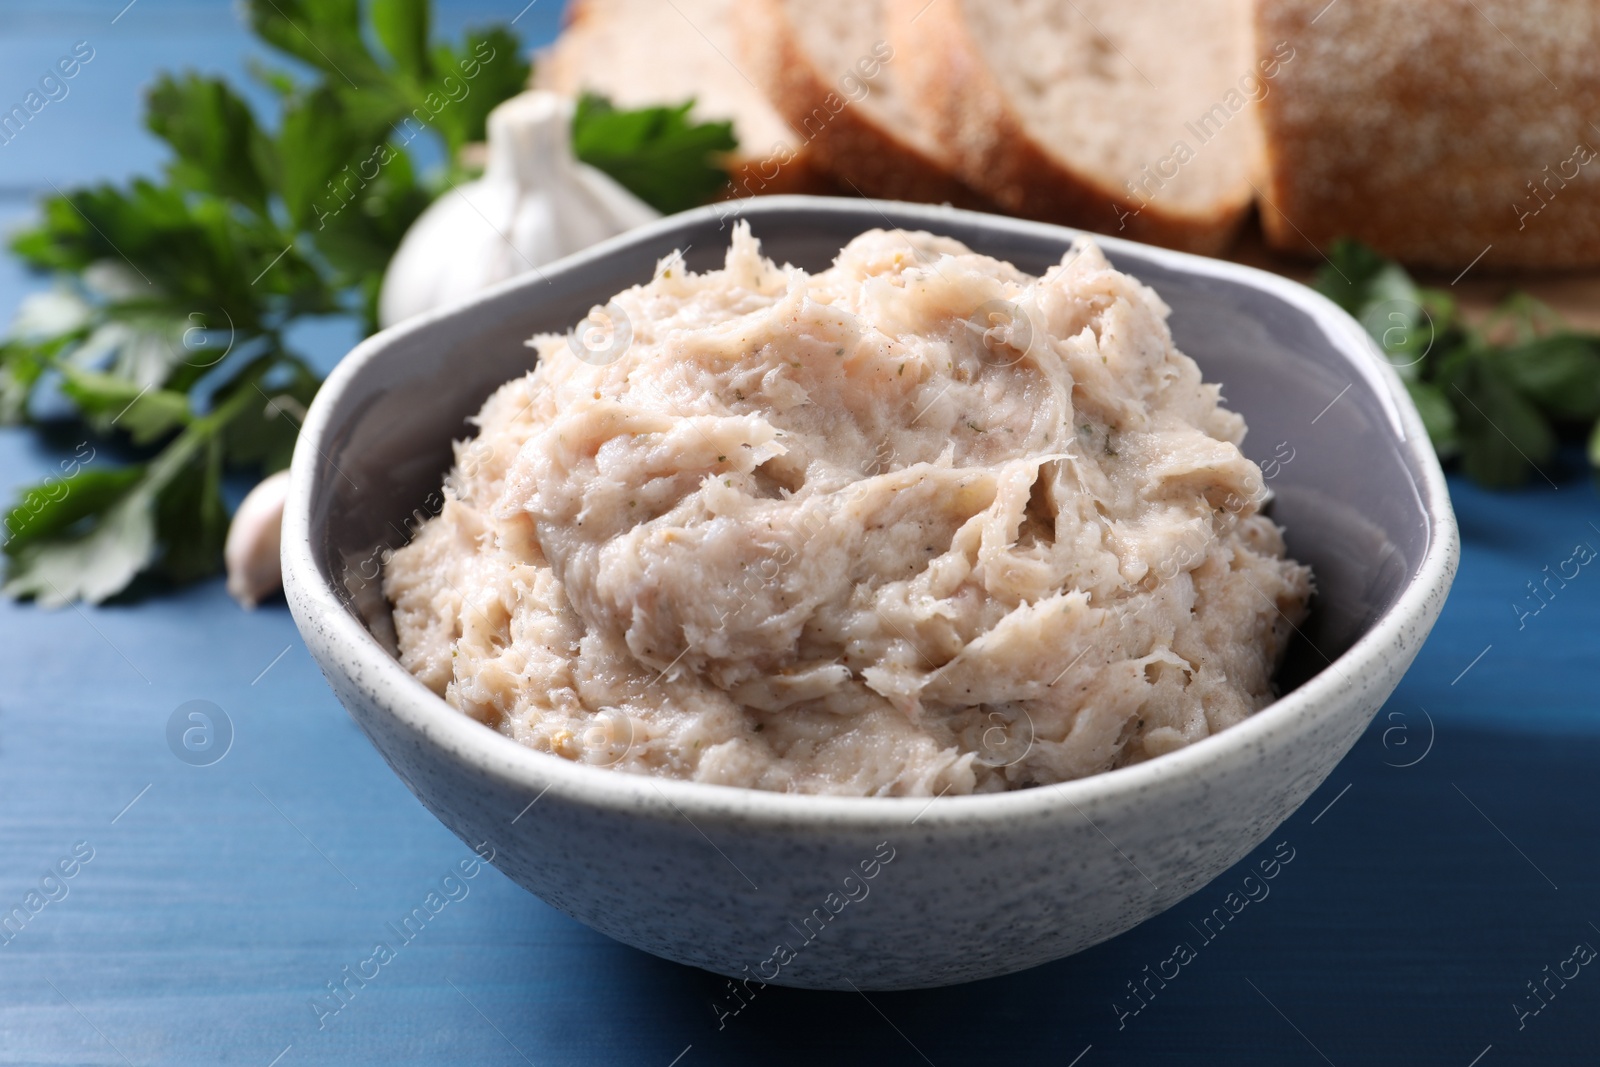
493,754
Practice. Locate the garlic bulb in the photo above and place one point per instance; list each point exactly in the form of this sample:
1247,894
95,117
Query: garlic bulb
251,551
534,204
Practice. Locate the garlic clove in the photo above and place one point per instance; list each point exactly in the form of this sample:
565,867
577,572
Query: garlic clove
534,204
254,536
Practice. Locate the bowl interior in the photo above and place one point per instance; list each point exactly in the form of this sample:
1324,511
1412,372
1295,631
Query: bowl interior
1346,484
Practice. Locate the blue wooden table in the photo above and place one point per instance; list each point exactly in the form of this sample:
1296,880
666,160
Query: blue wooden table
195,911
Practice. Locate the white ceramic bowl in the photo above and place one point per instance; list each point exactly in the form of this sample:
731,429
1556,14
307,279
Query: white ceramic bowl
882,893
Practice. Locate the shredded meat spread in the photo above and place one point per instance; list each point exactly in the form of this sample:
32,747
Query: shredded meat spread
919,523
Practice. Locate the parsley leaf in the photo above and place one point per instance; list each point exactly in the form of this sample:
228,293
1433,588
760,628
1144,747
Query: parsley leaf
657,153
402,28
1560,373
57,504
323,33
1501,432
96,565
109,400
213,134
1500,395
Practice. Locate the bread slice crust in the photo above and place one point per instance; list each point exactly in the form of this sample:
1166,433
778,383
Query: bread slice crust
832,110
964,105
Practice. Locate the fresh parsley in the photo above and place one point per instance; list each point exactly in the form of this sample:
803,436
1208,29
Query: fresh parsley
665,159
164,334
1499,396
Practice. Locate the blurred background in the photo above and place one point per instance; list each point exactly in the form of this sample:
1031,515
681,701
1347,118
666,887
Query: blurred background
220,883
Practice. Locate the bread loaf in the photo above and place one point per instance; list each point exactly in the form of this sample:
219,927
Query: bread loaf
1436,132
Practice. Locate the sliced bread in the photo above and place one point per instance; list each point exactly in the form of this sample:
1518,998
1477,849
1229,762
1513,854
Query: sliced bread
829,69
1134,119
1436,133
650,52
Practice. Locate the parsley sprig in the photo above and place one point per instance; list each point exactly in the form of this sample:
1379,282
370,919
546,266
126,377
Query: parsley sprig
165,333
1499,395
659,153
